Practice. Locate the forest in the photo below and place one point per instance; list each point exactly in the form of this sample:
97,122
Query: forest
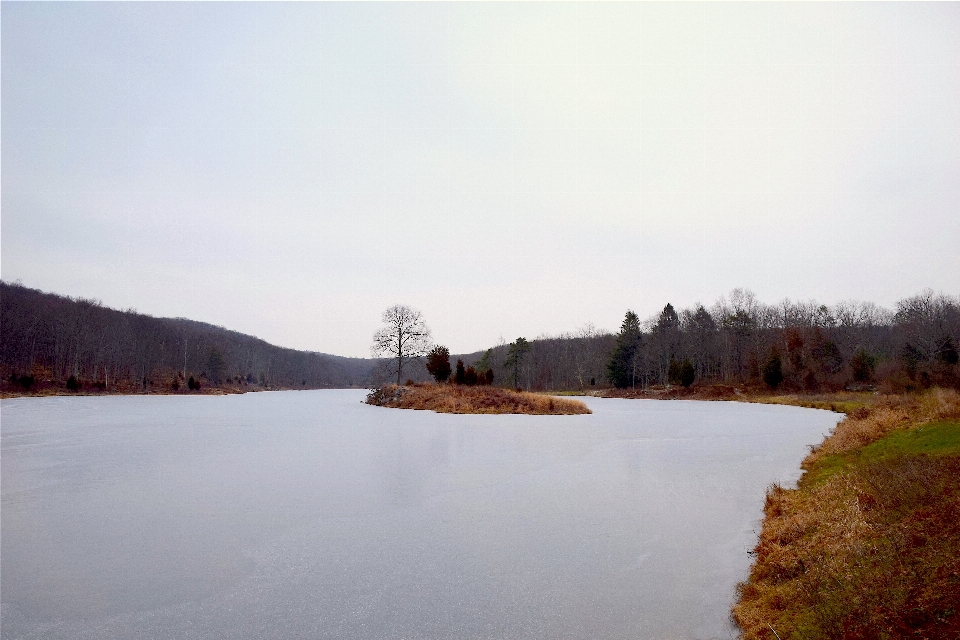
795,346
48,339
55,340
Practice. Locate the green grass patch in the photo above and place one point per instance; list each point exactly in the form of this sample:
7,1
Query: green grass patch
838,406
933,439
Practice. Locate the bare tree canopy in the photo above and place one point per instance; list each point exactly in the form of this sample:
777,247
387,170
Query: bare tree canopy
403,337
48,338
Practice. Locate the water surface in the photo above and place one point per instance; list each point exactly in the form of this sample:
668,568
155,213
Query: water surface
311,515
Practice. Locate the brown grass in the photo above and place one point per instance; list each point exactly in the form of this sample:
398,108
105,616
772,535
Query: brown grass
871,550
449,398
871,416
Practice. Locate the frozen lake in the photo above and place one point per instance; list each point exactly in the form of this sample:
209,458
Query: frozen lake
306,514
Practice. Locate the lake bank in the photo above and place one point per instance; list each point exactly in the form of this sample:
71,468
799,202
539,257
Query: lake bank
868,542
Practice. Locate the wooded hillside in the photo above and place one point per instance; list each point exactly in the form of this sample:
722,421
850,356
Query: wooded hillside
50,337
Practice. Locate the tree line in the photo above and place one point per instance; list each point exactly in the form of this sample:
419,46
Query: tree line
49,339
52,339
739,340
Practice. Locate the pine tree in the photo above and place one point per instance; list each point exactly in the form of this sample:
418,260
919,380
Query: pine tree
514,360
621,369
773,370
438,363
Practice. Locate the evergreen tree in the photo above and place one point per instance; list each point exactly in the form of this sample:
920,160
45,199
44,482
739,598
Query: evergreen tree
470,377
621,369
773,370
438,363
514,360
688,373
668,320
673,372
682,373
862,365
486,362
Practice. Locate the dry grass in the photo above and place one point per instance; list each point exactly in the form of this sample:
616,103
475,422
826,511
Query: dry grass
871,417
449,398
868,546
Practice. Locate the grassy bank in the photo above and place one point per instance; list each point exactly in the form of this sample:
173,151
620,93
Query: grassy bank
451,398
868,545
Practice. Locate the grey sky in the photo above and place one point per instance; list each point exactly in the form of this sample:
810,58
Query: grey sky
290,170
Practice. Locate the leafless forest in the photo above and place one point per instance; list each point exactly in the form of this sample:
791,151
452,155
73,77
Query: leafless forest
48,339
733,341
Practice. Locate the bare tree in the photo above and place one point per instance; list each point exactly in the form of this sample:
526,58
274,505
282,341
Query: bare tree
403,337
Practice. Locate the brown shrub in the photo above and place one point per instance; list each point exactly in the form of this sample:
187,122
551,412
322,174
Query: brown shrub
447,398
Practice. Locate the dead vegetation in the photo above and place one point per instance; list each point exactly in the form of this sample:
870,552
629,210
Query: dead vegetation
449,398
868,545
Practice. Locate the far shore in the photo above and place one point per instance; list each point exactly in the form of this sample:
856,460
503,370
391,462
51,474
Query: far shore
50,392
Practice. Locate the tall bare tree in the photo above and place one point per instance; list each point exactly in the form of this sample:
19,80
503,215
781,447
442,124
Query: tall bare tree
403,337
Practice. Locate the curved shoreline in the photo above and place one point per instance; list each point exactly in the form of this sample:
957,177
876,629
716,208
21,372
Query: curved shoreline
867,543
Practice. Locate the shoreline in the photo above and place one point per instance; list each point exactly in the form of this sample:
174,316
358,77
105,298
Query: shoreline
209,391
867,541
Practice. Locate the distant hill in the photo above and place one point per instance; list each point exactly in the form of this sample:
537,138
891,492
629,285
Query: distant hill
51,337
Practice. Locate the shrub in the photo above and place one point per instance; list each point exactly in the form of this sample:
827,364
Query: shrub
24,381
73,384
470,376
438,363
773,370
911,357
862,365
673,372
460,376
947,352
193,384
827,354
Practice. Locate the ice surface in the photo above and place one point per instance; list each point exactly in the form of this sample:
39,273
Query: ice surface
311,515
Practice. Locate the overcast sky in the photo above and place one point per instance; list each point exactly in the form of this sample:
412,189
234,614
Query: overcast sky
290,170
